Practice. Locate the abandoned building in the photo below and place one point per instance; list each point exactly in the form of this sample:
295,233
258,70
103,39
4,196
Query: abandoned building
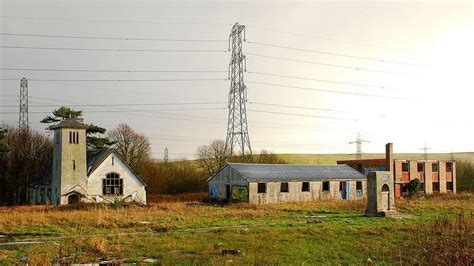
435,176
274,183
78,175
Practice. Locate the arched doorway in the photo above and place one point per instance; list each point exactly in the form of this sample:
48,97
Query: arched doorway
73,199
385,198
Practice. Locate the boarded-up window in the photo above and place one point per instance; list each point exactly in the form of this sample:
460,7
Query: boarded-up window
435,168
359,185
284,187
326,186
305,187
262,188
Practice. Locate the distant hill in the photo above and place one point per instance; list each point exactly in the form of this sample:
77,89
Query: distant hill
333,158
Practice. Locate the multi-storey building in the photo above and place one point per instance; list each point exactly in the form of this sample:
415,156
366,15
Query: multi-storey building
436,176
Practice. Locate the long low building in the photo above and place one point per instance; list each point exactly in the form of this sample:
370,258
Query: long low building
274,183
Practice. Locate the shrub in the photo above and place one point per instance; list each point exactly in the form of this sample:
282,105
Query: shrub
414,187
465,176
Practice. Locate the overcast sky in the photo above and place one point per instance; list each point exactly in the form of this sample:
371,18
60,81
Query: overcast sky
421,93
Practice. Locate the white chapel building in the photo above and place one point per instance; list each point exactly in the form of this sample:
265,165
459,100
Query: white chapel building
79,175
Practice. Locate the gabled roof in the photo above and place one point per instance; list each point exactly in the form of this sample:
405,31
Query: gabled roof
69,123
96,157
94,160
293,172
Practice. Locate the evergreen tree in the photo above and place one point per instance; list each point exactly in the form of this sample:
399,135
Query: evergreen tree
94,134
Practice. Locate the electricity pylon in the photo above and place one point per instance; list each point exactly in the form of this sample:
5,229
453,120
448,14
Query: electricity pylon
237,129
358,143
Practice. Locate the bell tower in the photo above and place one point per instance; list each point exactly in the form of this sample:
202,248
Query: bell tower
69,178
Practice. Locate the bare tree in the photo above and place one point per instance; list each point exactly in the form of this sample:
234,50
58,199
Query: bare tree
132,146
28,157
211,157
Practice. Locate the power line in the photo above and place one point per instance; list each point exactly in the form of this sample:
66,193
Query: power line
117,80
356,68
111,70
329,39
300,107
110,38
337,54
112,50
323,80
324,90
118,21
120,104
304,115
127,110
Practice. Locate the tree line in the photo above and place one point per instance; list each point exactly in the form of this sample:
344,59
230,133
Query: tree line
26,156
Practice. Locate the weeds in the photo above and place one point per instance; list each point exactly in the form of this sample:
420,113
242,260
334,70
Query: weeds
447,240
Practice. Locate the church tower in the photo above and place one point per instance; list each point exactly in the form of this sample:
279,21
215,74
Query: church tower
69,179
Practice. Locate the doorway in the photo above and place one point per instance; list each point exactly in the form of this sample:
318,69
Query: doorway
73,199
228,192
385,198
342,190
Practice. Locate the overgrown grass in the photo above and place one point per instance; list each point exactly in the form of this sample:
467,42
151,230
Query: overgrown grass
177,232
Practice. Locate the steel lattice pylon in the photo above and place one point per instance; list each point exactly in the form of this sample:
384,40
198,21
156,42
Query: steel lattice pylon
358,143
166,156
23,118
237,129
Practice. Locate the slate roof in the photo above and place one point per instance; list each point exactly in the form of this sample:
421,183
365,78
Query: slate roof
94,159
70,123
294,172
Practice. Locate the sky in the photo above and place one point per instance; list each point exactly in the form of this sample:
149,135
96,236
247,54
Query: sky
404,69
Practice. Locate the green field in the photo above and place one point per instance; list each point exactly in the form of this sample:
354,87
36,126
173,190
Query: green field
323,232
333,158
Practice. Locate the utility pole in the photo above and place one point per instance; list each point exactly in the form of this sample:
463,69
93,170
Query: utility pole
166,156
358,143
425,149
237,129
23,117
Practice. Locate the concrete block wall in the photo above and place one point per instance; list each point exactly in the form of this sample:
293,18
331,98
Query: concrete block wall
295,193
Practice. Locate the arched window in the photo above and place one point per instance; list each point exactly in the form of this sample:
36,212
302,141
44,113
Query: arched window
112,184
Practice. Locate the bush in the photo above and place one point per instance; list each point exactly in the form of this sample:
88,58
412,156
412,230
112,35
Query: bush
414,187
465,176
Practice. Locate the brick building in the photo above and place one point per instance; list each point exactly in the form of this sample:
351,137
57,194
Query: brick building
436,176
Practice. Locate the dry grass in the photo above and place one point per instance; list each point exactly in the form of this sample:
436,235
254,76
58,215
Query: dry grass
271,234
446,241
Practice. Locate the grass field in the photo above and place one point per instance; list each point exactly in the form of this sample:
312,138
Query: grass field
333,232
333,158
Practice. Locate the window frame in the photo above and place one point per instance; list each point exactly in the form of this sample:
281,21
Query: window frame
112,184
423,166
433,165
306,185
259,188
328,186
407,164
284,187
359,183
